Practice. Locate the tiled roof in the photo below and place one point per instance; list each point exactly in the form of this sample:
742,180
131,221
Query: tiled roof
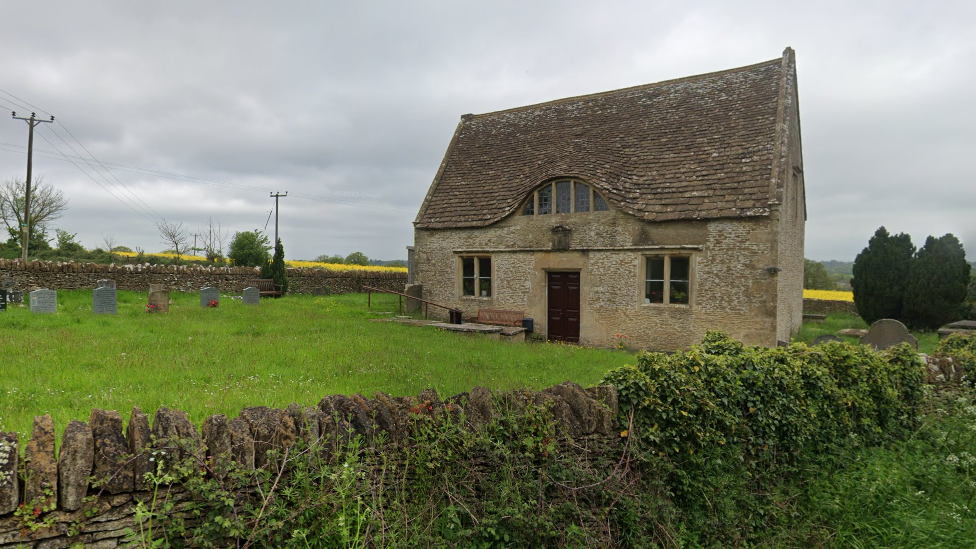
696,148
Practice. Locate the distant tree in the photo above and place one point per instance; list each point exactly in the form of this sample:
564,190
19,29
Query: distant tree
175,235
969,309
357,258
46,205
815,276
121,249
937,283
214,238
67,243
325,258
881,274
110,241
249,249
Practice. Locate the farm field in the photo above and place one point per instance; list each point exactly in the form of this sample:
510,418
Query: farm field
217,361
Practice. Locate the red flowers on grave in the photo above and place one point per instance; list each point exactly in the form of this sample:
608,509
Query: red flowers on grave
213,303
153,308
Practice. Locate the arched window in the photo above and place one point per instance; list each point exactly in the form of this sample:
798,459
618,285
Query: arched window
564,196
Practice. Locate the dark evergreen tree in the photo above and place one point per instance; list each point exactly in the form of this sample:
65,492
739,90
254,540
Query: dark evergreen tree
937,283
276,269
880,275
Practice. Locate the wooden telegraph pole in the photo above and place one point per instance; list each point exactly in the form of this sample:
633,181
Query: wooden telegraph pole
31,122
276,195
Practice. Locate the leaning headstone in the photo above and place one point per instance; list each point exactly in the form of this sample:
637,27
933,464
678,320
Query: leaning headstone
208,295
252,296
888,333
104,301
3,300
44,301
106,283
158,298
826,338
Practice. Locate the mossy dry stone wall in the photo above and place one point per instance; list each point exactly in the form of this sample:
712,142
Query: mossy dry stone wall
187,278
88,494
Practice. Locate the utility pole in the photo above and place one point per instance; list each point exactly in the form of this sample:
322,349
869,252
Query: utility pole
195,235
276,196
31,122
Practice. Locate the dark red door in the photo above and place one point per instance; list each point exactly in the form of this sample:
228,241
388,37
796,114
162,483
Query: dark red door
564,306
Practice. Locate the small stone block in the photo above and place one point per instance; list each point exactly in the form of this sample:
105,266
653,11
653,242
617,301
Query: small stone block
41,486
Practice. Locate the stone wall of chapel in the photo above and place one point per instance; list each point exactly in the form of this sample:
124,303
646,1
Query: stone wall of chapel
731,290
790,233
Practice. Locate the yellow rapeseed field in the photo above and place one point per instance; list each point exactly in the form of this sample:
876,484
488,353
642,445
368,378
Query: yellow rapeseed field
293,264
828,295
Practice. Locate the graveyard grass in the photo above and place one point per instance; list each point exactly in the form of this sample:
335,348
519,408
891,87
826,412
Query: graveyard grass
809,331
219,360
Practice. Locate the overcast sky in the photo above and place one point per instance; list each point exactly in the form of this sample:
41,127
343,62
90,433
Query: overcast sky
201,109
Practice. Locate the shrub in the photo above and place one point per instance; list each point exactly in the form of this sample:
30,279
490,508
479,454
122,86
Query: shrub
961,348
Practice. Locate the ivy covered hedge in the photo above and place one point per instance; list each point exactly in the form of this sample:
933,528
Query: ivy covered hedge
730,424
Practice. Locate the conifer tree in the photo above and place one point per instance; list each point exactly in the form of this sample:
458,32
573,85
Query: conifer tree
880,275
937,283
275,269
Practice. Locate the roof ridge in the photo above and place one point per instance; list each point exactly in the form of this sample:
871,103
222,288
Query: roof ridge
776,61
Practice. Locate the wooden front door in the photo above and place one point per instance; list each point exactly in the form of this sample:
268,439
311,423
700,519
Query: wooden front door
564,306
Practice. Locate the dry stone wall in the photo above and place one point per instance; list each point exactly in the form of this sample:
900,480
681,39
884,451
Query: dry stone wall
187,278
825,307
87,495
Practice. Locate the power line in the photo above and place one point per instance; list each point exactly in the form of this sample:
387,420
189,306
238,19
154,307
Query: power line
100,185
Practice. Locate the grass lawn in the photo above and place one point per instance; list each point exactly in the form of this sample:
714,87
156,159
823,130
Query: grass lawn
217,361
927,341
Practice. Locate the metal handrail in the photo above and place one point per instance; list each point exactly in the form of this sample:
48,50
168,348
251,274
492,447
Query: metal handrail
369,300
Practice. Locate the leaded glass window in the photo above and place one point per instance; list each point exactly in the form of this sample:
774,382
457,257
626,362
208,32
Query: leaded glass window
582,197
564,201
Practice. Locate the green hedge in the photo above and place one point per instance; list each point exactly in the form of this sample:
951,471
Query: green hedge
731,423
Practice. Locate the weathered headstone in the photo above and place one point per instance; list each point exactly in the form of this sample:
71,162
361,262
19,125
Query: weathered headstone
106,283
104,301
3,300
159,297
44,301
15,296
207,295
962,325
826,338
321,290
888,333
252,296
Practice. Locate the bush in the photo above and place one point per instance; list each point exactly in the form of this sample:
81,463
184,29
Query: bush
730,421
881,274
961,348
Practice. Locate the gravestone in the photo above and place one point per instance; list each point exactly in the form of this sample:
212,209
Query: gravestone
106,283
962,325
104,301
321,290
3,300
888,333
826,338
252,296
15,296
44,301
159,296
209,294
